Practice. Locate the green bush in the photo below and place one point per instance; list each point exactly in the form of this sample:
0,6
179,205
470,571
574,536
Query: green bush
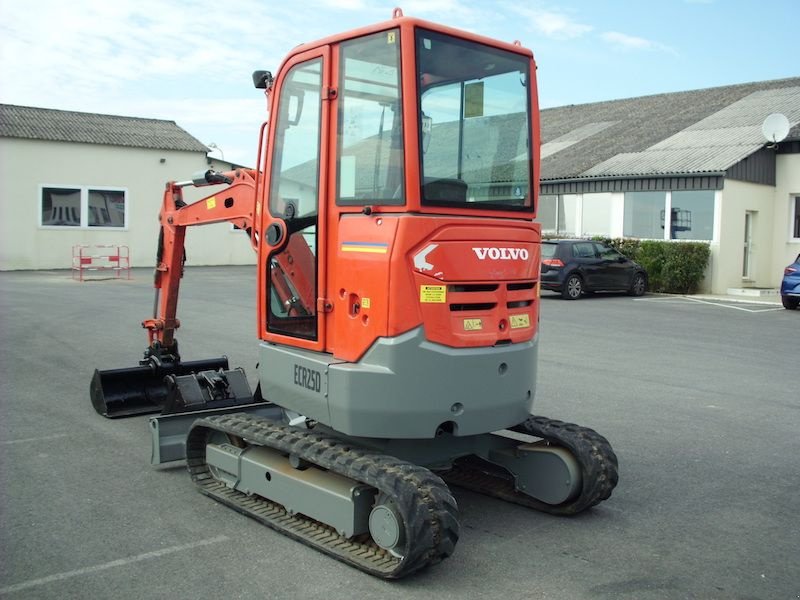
627,246
684,266
672,267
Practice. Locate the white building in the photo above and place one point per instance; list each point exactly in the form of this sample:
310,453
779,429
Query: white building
69,178
617,168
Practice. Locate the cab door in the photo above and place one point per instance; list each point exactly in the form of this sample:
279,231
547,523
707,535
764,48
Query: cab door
293,245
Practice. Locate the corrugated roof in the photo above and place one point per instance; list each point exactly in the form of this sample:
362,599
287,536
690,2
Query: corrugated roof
714,143
573,137
67,126
672,161
685,132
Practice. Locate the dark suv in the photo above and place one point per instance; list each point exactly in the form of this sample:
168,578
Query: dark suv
572,267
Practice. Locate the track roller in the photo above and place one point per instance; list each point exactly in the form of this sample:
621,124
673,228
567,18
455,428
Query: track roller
596,464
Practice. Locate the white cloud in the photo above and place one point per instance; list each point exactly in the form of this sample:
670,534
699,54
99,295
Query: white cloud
90,45
189,61
552,24
344,4
559,26
631,42
416,7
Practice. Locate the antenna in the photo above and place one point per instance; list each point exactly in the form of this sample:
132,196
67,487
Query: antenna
775,128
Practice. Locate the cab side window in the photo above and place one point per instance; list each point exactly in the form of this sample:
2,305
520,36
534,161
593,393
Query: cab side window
370,144
294,197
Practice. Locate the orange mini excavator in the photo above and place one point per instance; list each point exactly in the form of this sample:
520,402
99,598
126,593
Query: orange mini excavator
398,305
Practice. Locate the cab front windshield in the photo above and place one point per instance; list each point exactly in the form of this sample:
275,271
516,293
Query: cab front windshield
474,124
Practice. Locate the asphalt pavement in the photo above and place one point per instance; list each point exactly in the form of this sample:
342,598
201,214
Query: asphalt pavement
698,396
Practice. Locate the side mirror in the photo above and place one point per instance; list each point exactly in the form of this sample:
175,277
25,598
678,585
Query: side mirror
262,80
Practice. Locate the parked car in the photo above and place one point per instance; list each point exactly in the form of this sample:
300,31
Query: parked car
790,287
573,267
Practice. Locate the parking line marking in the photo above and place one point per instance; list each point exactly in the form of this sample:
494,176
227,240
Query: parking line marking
34,439
710,303
669,299
109,565
734,307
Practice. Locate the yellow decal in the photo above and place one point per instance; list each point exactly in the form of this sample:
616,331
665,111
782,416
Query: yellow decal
390,37
365,303
211,203
520,321
433,294
473,324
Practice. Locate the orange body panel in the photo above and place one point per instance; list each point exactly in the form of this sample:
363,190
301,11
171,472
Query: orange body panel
467,284
360,284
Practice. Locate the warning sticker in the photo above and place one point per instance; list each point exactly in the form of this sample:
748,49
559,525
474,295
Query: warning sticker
520,321
211,203
365,302
433,294
473,324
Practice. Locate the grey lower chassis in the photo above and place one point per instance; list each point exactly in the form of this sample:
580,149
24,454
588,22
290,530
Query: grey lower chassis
169,431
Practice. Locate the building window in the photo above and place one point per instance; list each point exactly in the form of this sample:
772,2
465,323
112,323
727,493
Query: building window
547,213
796,217
643,215
573,215
597,214
63,206
692,215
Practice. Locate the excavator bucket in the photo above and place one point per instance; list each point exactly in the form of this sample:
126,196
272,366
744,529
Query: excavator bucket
143,389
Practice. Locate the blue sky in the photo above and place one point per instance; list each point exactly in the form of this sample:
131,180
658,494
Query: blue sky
191,61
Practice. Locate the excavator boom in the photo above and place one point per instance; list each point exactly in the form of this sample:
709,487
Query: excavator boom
163,382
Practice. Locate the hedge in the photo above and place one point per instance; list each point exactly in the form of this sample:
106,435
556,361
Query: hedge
672,267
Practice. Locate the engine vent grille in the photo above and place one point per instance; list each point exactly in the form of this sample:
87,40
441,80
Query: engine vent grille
488,296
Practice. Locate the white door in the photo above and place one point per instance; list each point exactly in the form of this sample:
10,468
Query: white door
748,261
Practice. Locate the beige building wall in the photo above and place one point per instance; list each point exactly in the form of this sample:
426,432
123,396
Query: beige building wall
739,198
27,165
787,186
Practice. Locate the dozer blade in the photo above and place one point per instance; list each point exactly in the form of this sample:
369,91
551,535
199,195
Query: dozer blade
141,390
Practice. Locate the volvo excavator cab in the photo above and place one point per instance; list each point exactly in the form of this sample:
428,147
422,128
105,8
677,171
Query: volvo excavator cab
392,211
402,184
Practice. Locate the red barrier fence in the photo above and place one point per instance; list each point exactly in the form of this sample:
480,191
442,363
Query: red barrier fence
95,260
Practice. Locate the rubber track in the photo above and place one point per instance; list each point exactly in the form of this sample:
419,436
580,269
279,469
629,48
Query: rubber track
428,509
598,464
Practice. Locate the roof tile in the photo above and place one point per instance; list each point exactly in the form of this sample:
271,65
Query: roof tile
33,123
705,130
